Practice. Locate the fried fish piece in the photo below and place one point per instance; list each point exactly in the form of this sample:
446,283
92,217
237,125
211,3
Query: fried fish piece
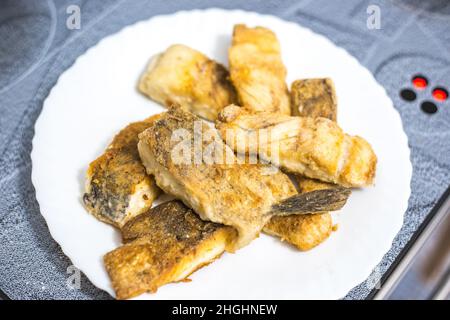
184,77
309,98
313,147
218,189
165,244
257,71
303,231
117,186
314,98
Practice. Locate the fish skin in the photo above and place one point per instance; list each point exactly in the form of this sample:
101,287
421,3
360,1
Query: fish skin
162,245
314,98
117,186
320,200
303,231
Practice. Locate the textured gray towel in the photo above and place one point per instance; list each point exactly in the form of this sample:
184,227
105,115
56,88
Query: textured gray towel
36,47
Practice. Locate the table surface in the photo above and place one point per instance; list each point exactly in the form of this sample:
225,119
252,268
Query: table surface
36,46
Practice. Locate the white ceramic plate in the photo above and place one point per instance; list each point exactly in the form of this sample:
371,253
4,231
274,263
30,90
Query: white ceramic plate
97,97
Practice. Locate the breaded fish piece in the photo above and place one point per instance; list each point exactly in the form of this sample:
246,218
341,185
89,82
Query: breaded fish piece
165,244
313,147
117,186
257,71
303,231
243,196
314,98
185,77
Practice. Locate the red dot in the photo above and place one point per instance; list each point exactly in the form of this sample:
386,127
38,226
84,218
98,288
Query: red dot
440,94
420,82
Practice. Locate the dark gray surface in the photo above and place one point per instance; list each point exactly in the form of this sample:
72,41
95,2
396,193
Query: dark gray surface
36,47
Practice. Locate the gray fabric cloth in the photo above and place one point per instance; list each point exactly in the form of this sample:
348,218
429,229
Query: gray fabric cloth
36,47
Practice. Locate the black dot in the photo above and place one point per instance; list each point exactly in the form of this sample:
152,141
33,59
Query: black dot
408,95
428,107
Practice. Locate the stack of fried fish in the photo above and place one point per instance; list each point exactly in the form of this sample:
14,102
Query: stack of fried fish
223,205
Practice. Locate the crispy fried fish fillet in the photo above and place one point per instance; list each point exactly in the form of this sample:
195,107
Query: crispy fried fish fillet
117,186
242,196
314,98
184,77
313,147
310,98
303,231
257,71
165,244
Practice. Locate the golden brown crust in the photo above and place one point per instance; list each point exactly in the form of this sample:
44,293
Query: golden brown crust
304,232
257,71
117,179
170,224
314,98
165,244
232,194
186,78
314,147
